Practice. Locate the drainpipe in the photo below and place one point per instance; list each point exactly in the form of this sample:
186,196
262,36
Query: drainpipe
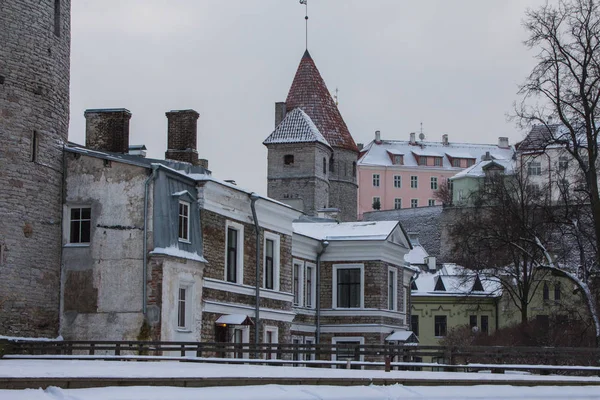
324,244
253,198
145,244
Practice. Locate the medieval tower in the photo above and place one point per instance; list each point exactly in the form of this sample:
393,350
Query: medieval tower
34,121
311,154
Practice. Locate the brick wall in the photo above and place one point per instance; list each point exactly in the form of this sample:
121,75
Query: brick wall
34,97
182,136
107,130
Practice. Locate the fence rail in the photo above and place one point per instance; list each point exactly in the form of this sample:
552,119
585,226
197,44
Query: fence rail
578,361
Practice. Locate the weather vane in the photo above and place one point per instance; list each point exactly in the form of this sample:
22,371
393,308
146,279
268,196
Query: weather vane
305,2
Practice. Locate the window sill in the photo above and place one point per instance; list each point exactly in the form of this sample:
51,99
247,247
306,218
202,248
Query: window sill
77,245
184,330
185,241
348,308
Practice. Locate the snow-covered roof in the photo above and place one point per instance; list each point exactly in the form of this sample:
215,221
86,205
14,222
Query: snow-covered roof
296,127
416,256
478,170
177,252
378,154
234,319
401,336
457,281
369,230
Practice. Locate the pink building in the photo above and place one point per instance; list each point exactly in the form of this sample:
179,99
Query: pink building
406,173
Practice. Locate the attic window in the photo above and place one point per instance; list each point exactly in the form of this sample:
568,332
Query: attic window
477,286
422,160
288,159
398,160
439,285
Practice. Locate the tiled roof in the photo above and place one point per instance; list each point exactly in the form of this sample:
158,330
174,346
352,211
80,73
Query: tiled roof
308,92
539,137
296,127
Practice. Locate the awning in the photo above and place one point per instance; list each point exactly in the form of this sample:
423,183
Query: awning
234,319
401,336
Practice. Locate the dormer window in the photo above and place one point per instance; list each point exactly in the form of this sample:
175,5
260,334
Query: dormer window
437,161
439,285
470,162
477,286
422,160
288,159
456,162
398,160
184,221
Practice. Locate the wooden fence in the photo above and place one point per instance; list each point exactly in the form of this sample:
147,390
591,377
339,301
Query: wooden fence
498,359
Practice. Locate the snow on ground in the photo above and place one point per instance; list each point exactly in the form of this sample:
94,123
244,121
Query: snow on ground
23,368
282,392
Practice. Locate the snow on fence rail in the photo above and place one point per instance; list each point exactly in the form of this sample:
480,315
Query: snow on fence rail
498,359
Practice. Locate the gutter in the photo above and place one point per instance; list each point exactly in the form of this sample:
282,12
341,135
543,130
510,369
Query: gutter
324,244
253,198
145,244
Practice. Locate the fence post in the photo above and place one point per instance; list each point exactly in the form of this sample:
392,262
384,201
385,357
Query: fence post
92,349
198,350
183,350
118,349
388,364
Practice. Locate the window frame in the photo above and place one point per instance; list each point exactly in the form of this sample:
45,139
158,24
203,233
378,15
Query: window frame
414,181
456,162
431,202
398,181
310,285
397,203
379,199
239,279
188,304
69,220
376,180
414,203
534,170
438,333
274,331
185,204
433,183
437,161
276,260
299,278
392,273
334,285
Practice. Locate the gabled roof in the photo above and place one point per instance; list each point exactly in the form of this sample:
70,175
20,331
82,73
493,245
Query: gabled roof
309,92
478,170
296,127
371,230
539,137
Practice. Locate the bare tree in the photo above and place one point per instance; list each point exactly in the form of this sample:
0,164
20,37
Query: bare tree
444,193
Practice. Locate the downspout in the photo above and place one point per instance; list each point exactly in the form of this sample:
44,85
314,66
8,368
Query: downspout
324,244
253,198
145,244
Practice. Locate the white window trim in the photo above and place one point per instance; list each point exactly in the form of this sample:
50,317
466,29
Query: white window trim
313,283
341,339
189,208
432,180
300,264
276,260
398,178
189,305
240,253
416,181
67,223
405,298
307,356
397,203
429,201
394,270
411,203
275,331
376,177
245,338
378,198
362,284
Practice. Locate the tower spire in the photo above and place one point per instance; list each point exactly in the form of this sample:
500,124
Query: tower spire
305,2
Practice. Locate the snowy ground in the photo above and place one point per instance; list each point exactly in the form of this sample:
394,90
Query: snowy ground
279,392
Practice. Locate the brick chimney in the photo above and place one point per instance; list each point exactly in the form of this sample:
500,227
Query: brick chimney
503,142
377,137
182,136
107,129
279,113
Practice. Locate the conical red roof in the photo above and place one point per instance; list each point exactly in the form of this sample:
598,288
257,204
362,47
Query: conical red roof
309,93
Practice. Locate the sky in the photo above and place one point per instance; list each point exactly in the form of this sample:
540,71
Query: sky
452,66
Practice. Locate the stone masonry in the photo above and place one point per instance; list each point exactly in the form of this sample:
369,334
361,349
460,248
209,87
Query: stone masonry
34,120
182,136
107,130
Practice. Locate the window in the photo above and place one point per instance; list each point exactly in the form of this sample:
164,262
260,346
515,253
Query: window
563,163
440,325
414,324
80,225
324,166
331,166
271,261
183,308
397,181
456,162
397,204
184,221
309,285
288,159
534,168
437,161
348,288
470,162
376,203
354,169
422,160
473,321
234,252
414,203
375,180
297,282
392,289
398,160
238,338
35,144
557,291
57,18
484,324
431,202
271,337
414,183
546,292
434,183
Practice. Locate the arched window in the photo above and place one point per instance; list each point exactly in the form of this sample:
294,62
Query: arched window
324,166
288,159
557,291
331,166
546,292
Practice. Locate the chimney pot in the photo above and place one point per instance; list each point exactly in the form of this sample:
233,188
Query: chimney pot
503,142
445,139
107,129
378,137
182,135
412,138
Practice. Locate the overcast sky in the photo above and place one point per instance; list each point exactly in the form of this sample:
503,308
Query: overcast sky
452,65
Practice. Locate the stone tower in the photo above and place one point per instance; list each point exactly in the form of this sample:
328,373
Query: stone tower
34,121
312,155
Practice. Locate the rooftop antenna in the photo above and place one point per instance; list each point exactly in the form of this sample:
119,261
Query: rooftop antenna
421,128
305,2
336,96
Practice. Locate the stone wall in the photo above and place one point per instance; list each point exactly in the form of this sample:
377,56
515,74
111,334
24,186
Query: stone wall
34,120
343,188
